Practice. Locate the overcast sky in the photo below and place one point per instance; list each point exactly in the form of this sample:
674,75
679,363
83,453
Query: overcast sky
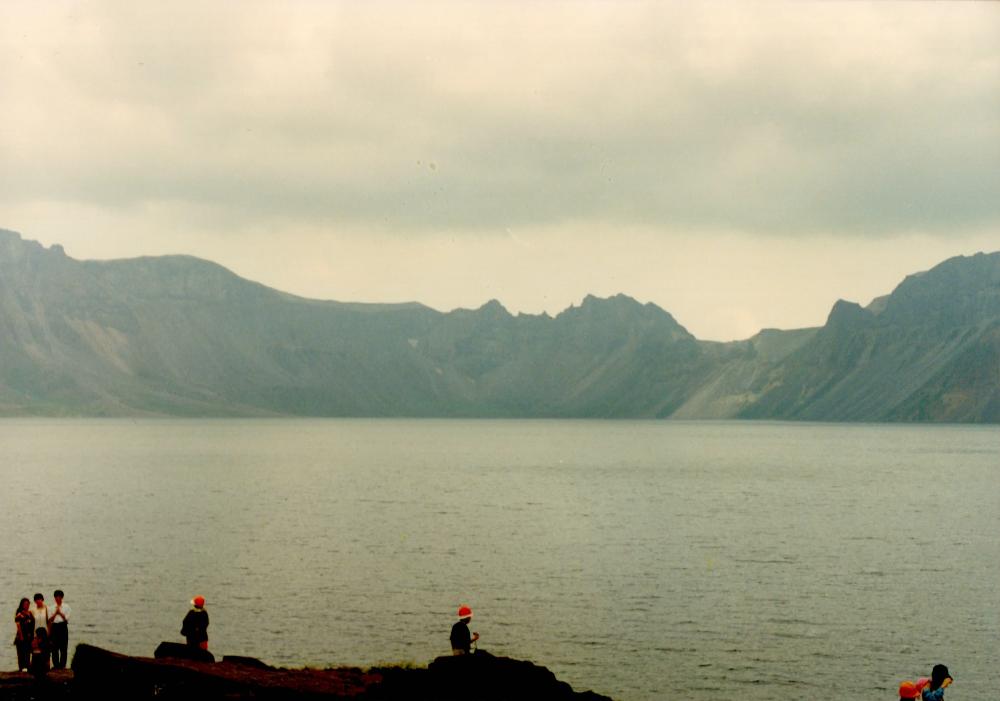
742,165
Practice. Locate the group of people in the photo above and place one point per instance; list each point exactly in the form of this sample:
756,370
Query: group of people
927,688
41,634
43,631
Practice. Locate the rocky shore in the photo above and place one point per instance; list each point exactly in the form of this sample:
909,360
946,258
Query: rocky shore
102,674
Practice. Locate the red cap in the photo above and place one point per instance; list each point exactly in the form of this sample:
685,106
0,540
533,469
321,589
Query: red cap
198,601
464,611
908,690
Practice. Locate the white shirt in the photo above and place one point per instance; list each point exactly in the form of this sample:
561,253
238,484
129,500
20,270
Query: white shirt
63,610
41,615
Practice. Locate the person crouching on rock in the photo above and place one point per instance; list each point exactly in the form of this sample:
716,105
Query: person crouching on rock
40,654
940,680
908,690
195,625
461,639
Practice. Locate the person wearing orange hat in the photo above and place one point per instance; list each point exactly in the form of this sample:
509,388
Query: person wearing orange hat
461,638
908,690
195,625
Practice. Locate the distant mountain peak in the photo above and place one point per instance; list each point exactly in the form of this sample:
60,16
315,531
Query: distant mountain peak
844,313
953,292
15,248
620,300
621,309
493,305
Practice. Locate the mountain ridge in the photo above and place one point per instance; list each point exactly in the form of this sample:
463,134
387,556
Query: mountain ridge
179,335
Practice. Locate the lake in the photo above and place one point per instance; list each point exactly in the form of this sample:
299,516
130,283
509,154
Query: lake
643,560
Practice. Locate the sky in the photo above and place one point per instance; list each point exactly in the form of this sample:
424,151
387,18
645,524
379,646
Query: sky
742,165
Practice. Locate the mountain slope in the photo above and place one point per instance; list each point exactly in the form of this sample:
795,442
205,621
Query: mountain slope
926,352
177,335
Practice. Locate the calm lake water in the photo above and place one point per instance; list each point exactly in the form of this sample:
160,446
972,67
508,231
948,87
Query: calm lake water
644,560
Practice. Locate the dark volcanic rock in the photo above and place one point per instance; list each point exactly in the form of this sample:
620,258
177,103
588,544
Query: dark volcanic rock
180,651
107,675
21,686
486,678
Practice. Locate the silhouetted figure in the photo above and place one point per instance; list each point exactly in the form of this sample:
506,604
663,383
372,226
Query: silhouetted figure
24,622
461,638
195,625
940,680
40,654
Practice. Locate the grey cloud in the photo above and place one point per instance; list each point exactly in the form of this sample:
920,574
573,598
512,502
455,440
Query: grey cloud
639,115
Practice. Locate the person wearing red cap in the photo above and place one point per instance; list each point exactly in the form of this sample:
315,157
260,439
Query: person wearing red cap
195,625
461,638
908,690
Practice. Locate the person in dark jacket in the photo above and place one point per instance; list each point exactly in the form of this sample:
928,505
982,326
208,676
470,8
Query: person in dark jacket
940,680
24,623
461,638
40,654
195,625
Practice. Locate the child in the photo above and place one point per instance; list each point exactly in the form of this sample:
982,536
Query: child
40,654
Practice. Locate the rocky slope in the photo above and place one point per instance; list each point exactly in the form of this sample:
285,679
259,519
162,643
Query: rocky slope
182,336
930,351
102,674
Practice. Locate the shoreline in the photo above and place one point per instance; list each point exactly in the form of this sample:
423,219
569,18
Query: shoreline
99,673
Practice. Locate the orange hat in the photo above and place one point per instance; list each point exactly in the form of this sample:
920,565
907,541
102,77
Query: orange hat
464,611
908,690
198,601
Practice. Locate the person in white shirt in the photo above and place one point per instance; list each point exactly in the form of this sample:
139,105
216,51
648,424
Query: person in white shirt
41,612
59,630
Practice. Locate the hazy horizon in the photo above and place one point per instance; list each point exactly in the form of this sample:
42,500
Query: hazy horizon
740,166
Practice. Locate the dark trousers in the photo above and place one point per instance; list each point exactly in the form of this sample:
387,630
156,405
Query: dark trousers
23,654
59,641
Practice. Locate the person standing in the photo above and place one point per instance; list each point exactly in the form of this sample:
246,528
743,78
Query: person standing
41,613
59,630
461,639
24,621
195,625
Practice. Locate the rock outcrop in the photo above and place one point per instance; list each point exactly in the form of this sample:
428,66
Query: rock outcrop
103,674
